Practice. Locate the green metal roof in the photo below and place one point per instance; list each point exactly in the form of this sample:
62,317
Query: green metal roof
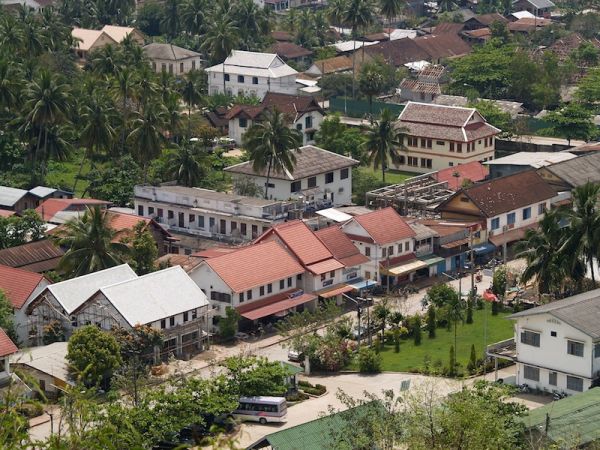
430,260
572,419
291,368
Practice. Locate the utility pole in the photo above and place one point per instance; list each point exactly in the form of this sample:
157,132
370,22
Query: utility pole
472,263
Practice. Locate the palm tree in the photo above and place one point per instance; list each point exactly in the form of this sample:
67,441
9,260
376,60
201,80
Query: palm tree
584,225
371,82
220,39
89,240
383,141
48,103
193,13
251,21
125,82
336,11
358,16
106,60
58,142
170,21
97,115
9,86
391,9
146,137
173,115
270,143
545,262
192,91
187,165
11,34
455,308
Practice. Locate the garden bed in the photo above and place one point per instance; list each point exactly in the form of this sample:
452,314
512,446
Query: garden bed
316,390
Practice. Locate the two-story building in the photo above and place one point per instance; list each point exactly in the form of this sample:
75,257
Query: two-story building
202,212
303,113
556,346
320,178
439,136
20,287
259,281
506,207
172,59
18,200
385,238
167,300
252,73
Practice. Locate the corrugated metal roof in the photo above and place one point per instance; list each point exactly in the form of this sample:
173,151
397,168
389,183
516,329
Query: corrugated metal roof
31,253
533,159
254,64
578,171
49,359
9,196
42,191
155,296
72,293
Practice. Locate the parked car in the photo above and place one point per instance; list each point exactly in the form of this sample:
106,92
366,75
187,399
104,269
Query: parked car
241,336
295,356
364,333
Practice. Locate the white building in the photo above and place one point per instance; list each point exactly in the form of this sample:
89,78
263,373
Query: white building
55,304
320,177
443,136
252,73
172,59
385,238
167,300
207,213
556,346
259,281
303,113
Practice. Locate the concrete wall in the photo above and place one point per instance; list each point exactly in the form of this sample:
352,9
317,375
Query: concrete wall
283,85
236,132
21,319
175,67
535,217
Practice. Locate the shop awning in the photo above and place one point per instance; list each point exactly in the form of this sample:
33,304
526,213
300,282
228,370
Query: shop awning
273,305
359,284
336,291
511,235
484,248
431,260
455,244
405,268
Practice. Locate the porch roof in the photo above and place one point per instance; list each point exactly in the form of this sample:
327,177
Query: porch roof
327,293
515,234
275,304
405,268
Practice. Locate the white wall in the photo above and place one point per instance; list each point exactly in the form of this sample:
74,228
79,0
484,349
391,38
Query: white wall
21,319
236,132
535,217
552,354
174,67
282,85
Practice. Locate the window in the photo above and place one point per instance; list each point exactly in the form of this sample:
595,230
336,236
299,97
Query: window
312,182
240,78
226,77
185,317
170,68
367,251
241,297
552,378
254,80
495,223
429,142
526,213
451,146
254,231
401,160
329,177
150,210
163,324
575,348
281,284
510,218
383,252
553,333
391,250
296,186
442,143
289,282
163,67
194,314
243,122
308,122
299,277
597,350
233,226
181,68
399,248
541,208
406,246
412,141
322,277
140,210
172,321
413,161
367,275
220,297
530,338
426,163
201,221
73,323
249,294
332,274
423,142
450,164
243,229
261,291
459,148
154,66
170,214
269,288
344,173
159,212
193,65
574,383
531,373
192,218
299,126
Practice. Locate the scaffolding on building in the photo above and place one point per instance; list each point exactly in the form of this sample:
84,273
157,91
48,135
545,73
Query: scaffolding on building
417,196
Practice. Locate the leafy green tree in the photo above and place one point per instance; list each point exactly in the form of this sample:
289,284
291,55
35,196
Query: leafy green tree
572,121
495,116
270,145
362,182
170,21
441,294
222,36
358,15
93,354
191,91
252,376
146,137
228,324
17,230
417,332
472,364
381,313
193,16
143,250
469,318
431,321
7,316
370,82
188,164
391,9
149,17
115,184
89,243
336,12
452,362
384,139
369,360
340,138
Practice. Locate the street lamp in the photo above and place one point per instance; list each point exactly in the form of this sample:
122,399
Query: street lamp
358,301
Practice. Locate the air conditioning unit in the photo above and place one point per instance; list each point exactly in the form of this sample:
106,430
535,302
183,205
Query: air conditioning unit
341,189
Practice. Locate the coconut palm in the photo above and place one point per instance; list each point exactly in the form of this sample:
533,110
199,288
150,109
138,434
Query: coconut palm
220,39
359,14
251,22
584,225
146,137
58,142
106,60
173,115
193,16
96,117
187,165
391,9
124,85
192,91
170,22
336,11
270,144
383,141
89,243
11,34
9,86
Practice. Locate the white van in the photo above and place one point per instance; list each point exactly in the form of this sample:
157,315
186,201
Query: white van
261,409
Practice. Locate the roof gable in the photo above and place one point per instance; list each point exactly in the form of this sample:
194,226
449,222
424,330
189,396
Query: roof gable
384,226
9,196
453,116
340,246
7,347
18,284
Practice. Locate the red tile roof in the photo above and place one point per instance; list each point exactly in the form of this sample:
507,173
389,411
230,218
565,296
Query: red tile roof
282,36
274,304
385,226
340,245
391,262
474,171
289,50
187,262
6,213
7,347
255,265
325,266
292,106
18,284
213,252
123,223
50,207
301,241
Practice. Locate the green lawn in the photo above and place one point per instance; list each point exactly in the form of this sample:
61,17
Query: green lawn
391,177
411,356
62,174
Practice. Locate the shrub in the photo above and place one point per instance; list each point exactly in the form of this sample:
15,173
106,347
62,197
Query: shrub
369,361
304,383
417,330
396,340
296,397
469,311
495,308
431,324
472,365
451,369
